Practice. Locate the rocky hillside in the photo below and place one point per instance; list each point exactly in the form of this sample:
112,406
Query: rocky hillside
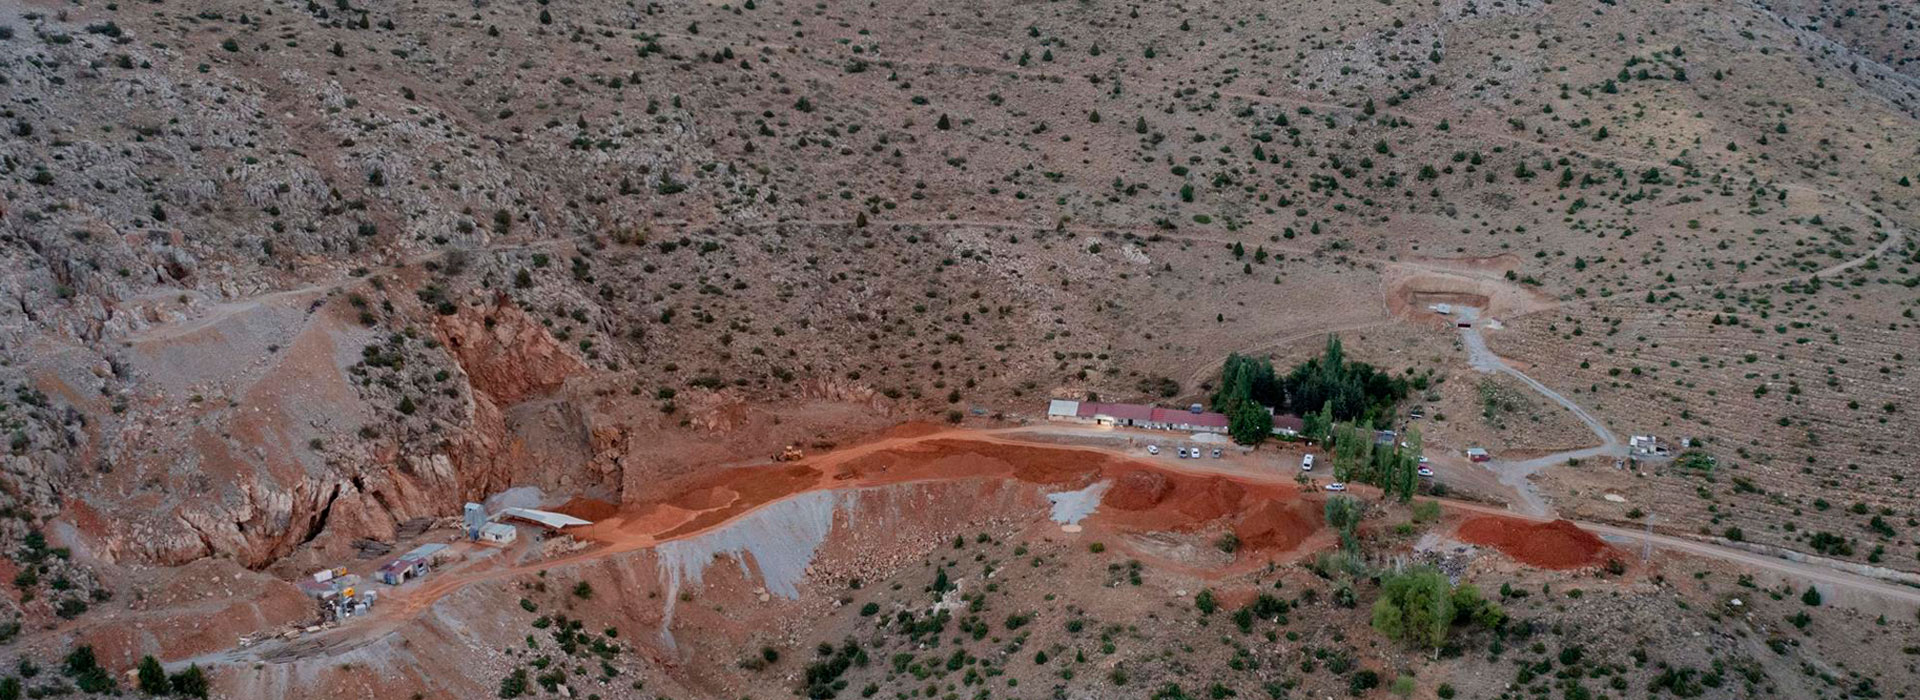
283,275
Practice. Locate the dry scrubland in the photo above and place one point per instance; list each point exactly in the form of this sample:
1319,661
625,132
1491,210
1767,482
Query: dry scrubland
285,275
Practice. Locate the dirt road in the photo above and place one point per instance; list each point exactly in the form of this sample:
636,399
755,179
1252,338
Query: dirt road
1516,474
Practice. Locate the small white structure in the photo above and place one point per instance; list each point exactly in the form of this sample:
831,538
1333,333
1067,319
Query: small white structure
1066,410
498,533
1442,309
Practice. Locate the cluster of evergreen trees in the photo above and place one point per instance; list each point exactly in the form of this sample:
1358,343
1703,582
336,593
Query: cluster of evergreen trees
1353,391
1246,387
1394,467
1339,389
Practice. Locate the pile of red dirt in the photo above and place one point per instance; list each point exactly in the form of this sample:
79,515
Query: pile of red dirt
588,509
704,498
1276,524
912,429
1213,498
1555,545
1034,465
1138,491
1153,500
955,459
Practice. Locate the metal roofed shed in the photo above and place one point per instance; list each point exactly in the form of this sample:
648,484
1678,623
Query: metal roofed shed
427,552
544,518
413,564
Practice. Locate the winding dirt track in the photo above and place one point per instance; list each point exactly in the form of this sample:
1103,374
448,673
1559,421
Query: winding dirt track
1515,474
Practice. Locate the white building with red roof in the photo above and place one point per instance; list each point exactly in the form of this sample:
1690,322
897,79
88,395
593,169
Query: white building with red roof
1137,416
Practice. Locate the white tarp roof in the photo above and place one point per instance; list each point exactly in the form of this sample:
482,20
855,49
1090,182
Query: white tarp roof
543,517
1063,407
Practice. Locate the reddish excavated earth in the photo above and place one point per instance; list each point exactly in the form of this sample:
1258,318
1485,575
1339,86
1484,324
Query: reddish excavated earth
1277,525
588,508
1272,519
1269,516
1552,545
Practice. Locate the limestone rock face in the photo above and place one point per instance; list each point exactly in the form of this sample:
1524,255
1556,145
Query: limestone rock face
505,354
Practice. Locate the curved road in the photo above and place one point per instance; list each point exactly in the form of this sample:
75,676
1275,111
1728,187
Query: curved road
1515,474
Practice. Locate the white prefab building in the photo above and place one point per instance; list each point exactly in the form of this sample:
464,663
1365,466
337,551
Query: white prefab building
498,533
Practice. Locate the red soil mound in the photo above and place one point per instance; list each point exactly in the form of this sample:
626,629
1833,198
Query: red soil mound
1153,500
1036,465
588,509
1276,524
1138,491
1555,545
1213,498
912,429
703,499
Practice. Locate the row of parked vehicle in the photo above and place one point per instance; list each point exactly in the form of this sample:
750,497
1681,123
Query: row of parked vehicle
1306,465
1185,452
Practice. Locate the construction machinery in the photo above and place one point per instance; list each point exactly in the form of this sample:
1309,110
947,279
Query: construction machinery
791,454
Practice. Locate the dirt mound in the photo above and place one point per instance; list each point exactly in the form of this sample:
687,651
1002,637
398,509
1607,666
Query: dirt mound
1277,525
588,509
704,499
1213,498
1139,491
1037,465
912,429
1556,545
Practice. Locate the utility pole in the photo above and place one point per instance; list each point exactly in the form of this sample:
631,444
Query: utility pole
1646,549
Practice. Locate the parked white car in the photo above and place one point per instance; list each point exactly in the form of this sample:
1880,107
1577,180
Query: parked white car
1216,453
1306,463
1153,449
1335,486
1423,471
